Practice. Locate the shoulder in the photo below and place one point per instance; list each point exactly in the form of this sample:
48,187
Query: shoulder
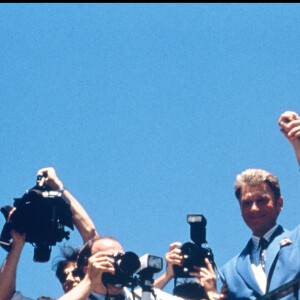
159,294
228,270
229,264
19,296
294,233
232,262
165,296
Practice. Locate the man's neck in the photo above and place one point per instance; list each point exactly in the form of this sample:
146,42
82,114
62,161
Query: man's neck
266,236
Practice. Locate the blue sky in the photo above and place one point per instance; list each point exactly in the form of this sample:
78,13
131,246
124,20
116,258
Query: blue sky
147,112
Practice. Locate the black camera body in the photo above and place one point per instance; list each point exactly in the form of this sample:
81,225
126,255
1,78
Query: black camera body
125,265
40,214
194,253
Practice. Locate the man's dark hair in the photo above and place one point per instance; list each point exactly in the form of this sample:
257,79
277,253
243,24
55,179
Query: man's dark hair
190,290
69,255
83,256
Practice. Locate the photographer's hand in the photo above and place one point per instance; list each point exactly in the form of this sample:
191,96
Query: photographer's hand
224,292
99,263
207,279
80,217
173,257
289,122
51,178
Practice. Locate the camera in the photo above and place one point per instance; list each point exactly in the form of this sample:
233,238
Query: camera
194,253
41,214
150,265
125,265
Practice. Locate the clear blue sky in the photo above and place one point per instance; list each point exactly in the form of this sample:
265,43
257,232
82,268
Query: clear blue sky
148,112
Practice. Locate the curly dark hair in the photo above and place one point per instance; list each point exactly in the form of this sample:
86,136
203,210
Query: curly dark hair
68,255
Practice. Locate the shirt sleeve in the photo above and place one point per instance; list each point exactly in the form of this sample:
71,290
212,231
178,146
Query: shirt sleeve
19,296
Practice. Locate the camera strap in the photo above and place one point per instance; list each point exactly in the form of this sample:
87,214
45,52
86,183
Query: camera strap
221,276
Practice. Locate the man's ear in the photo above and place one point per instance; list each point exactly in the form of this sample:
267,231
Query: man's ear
279,203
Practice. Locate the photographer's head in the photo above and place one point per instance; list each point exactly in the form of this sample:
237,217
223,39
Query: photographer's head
258,192
65,275
101,251
64,268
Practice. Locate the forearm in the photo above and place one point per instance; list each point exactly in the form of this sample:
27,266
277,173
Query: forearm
8,272
296,146
81,219
80,292
162,281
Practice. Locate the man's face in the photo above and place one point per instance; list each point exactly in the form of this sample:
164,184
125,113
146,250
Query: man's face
70,281
113,247
259,207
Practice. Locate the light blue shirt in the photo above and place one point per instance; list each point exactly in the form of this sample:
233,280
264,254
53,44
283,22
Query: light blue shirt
254,255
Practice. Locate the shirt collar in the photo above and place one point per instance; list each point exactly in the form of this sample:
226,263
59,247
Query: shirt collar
98,296
102,297
266,236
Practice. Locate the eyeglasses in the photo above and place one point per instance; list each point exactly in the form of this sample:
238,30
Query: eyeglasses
63,276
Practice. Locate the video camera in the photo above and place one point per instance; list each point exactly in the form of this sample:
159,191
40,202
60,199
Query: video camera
41,214
194,253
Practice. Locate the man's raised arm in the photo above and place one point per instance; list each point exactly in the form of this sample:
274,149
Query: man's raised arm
8,271
289,122
81,219
173,257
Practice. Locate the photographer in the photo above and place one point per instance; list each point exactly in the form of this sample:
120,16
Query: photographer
80,219
205,284
82,222
95,259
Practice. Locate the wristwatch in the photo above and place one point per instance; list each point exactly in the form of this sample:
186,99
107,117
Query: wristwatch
61,189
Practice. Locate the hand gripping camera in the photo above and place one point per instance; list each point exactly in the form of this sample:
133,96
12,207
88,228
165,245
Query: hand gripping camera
41,214
194,253
125,265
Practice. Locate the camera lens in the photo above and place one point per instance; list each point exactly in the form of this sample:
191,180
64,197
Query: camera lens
128,263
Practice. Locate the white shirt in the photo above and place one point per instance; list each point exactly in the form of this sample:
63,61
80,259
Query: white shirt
258,271
160,295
